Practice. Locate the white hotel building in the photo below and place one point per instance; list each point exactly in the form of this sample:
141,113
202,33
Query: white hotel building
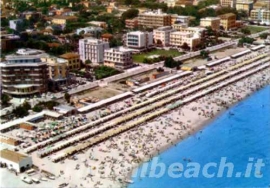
92,49
118,58
139,40
162,35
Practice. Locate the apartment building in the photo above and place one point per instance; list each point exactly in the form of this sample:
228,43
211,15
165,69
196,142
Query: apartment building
131,23
153,19
58,70
227,21
161,35
213,22
228,3
31,14
73,60
193,30
118,58
183,3
107,37
262,5
99,24
89,30
8,42
262,16
178,39
246,6
175,18
62,20
170,3
15,24
24,74
92,49
139,40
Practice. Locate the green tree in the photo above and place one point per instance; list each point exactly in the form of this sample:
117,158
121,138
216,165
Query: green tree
104,71
171,63
130,13
115,43
88,62
26,105
244,40
20,111
37,108
204,54
245,31
264,35
5,99
67,97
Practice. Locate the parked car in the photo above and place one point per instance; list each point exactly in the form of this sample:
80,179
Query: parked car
27,180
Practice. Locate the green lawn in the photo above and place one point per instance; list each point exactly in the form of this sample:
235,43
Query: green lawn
139,57
256,29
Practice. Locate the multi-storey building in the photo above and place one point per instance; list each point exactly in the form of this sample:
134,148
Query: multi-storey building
131,23
246,6
154,19
227,21
175,18
63,20
262,5
8,42
92,49
161,35
262,16
139,40
178,39
15,24
73,60
89,30
58,70
213,22
98,24
106,37
228,3
193,30
118,58
24,74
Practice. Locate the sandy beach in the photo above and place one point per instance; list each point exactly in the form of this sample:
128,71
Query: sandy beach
111,162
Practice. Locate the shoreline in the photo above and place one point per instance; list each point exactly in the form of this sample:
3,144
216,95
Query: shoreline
196,128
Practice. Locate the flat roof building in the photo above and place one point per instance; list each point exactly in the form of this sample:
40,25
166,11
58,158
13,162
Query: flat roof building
58,70
24,74
139,40
92,49
118,58
73,59
153,19
15,161
228,21
213,22
178,39
246,6
261,16
161,35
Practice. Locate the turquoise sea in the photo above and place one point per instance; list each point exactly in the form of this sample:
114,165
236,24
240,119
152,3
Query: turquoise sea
238,134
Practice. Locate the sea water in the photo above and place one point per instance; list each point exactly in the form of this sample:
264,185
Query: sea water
240,134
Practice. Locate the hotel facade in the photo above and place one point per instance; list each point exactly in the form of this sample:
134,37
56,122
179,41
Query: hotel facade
118,58
24,74
92,49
